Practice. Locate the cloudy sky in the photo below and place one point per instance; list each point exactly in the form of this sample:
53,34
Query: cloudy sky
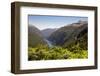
44,22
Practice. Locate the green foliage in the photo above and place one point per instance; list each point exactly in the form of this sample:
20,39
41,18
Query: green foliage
78,45
69,42
42,52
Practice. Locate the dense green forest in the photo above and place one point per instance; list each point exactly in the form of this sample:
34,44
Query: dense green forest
56,52
68,42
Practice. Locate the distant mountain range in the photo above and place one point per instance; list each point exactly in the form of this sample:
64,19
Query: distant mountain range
47,32
69,35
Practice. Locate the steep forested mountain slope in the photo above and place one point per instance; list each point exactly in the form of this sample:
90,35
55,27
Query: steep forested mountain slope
73,34
35,36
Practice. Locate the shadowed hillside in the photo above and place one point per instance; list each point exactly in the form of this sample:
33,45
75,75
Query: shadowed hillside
73,34
35,37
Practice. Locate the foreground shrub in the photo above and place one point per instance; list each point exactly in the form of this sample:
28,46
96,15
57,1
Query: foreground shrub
46,53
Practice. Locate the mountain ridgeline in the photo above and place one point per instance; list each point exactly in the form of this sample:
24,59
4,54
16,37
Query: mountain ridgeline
35,36
70,36
68,42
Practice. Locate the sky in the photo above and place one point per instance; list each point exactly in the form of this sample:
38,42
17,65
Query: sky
43,22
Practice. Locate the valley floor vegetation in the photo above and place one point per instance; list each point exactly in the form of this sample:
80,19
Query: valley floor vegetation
43,52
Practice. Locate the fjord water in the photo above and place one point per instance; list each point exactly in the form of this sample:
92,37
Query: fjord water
49,43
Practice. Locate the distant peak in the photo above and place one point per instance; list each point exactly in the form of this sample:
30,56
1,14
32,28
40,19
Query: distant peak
49,29
82,21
